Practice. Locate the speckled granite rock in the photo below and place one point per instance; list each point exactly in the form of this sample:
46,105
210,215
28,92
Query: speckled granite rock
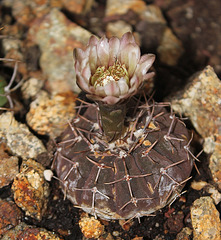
18,138
31,87
26,232
57,37
49,114
31,190
200,101
205,220
10,216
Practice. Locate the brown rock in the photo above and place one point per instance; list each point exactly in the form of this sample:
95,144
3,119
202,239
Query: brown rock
26,232
170,48
8,170
10,216
153,14
31,190
205,220
48,115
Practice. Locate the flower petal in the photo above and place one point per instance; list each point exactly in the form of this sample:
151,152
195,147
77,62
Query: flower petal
112,89
93,41
110,100
130,53
134,82
82,82
126,39
114,46
123,86
86,72
93,59
145,63
103,52
100,91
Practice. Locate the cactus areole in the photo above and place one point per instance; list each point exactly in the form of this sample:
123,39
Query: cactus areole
120,157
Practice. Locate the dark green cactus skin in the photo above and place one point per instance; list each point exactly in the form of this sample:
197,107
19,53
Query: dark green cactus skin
131,177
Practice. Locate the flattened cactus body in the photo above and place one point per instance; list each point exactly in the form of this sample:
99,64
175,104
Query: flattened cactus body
130,177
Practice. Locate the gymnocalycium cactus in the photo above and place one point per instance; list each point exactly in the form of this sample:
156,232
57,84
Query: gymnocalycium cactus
120,157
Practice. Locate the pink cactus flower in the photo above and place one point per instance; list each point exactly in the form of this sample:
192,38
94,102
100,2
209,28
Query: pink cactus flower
111,71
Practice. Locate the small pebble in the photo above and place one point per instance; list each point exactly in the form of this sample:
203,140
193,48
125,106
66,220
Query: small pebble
91,227
48,174
185,234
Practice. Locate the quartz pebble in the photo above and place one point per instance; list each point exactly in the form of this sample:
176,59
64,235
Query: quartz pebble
31,190
205,220
18,138
48,114
10,216
57,59
27,232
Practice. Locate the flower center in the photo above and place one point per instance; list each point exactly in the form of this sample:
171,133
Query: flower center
104,75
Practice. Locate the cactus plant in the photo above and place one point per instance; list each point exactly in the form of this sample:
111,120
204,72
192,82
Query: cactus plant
120,157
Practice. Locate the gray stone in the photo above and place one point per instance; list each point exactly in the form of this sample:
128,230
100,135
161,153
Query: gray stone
57,37
18,137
